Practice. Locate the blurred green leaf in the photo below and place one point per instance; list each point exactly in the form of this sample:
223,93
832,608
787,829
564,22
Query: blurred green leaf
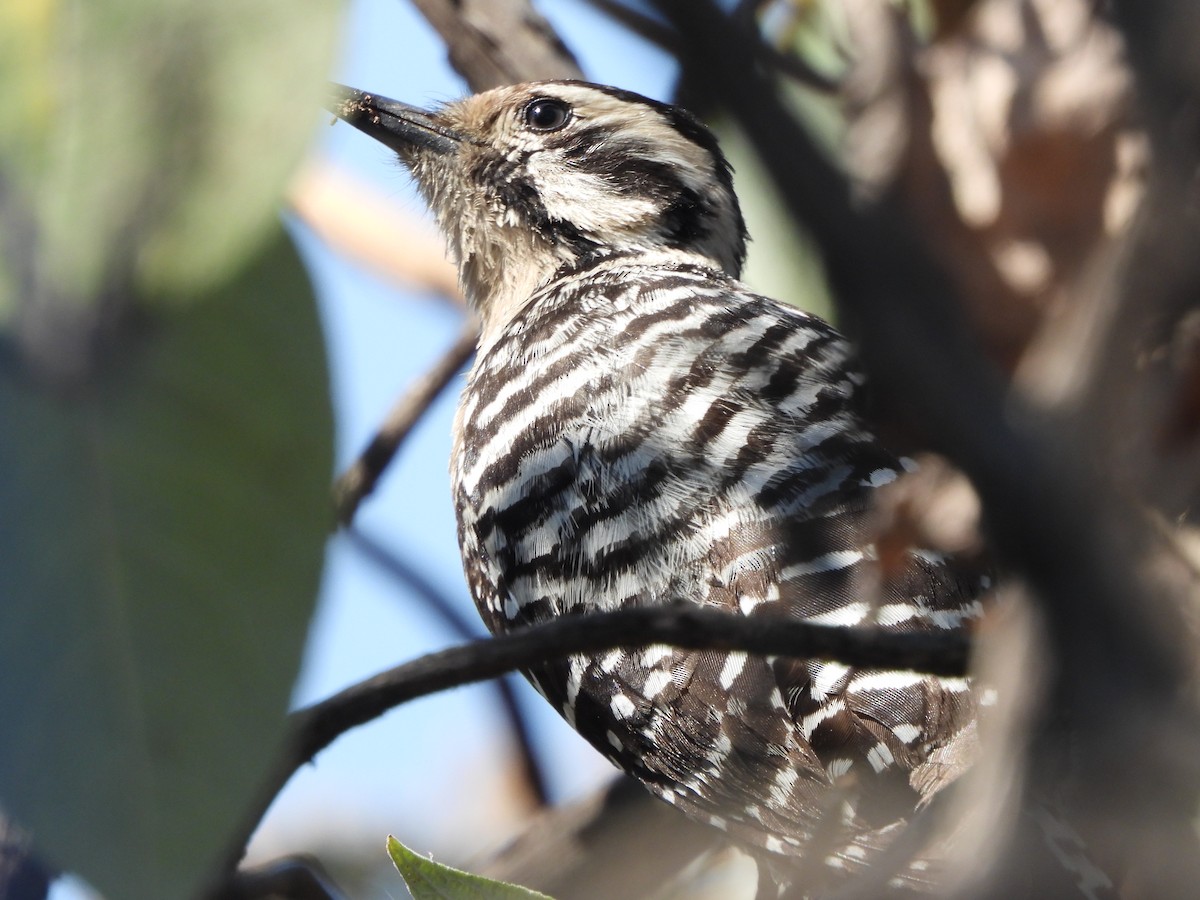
164,466
161,532
146,142
428,880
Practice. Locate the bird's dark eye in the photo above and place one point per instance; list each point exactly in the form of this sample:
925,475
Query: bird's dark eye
547,114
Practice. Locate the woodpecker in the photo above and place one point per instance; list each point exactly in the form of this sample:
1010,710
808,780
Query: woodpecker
641,428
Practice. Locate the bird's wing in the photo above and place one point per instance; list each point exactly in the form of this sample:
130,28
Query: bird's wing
719,457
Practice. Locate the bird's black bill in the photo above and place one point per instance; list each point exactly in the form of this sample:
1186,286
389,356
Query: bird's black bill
398,125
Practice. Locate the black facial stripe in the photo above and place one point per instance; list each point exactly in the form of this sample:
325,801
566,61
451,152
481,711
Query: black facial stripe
686,212
519,193
679,119
628,165
688,219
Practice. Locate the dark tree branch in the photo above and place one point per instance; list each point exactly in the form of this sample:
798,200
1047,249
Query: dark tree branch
440,605
653,30
1160,39
667,38
317,726
681,625
358,481
1155,290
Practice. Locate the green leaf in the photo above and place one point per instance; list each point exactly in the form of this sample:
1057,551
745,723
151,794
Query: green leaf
428,880
147,142
164,421
161,539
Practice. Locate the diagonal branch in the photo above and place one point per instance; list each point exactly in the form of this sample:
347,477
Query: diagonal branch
359,480
374,232
496,42
440,605
666,38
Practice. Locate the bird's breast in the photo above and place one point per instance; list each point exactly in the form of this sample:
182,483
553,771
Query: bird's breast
643,445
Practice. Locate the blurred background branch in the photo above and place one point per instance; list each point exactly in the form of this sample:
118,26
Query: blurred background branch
358,481
350,217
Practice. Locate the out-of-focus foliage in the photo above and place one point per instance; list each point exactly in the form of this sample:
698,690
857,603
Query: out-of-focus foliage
165,419
162,533
149,139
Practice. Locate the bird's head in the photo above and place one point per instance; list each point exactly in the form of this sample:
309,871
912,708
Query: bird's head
529,179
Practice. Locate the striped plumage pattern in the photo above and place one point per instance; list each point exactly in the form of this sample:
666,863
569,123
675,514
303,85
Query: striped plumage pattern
639,428
649,432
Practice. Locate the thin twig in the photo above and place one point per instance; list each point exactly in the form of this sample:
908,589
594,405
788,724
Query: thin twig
680,625
358,481
466,629
651,29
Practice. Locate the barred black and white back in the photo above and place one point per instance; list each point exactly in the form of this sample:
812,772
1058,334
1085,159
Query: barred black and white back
676,439
639,428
